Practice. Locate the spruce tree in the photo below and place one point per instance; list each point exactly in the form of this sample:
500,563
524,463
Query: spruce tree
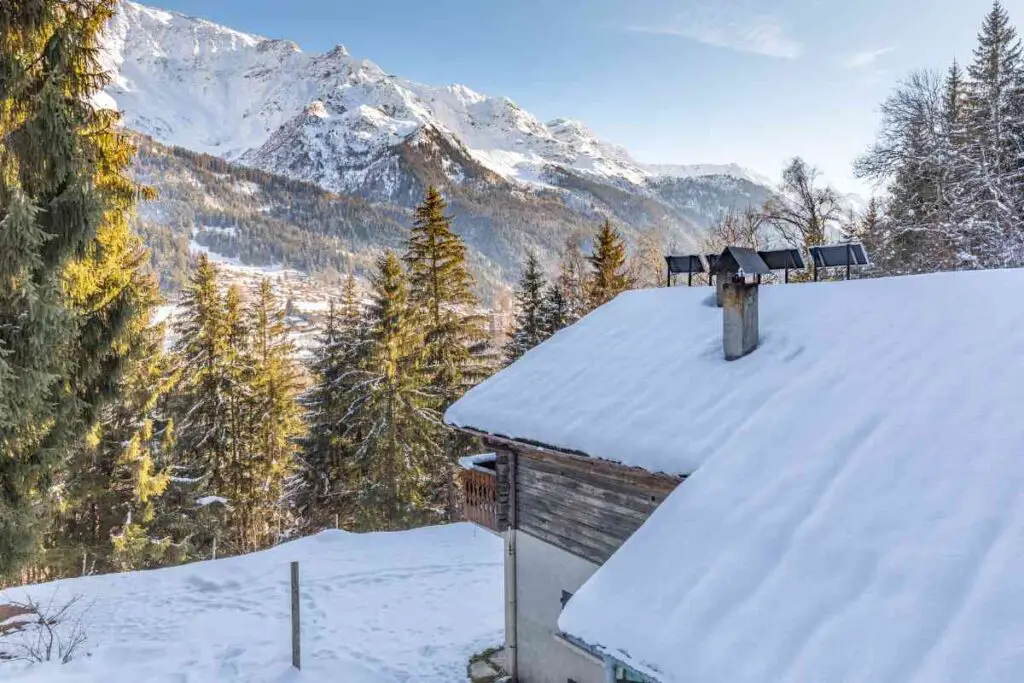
609,276
458,353
530,328
277,415
555,313
202,405
234,478
393,423
441,287
108,493
318,490
995,126
70,286
310,492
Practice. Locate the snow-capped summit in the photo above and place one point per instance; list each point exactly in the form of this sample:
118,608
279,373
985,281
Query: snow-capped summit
330,117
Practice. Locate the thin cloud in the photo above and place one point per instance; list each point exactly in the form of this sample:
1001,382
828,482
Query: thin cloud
735,27
865,58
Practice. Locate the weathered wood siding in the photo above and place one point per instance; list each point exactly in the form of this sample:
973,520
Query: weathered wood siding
585,506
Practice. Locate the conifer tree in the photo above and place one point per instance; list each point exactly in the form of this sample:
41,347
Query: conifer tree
458,353
555,313
318,491
108,492
277,415
392,419
441,287
609,276
201,407
949,154
994,120
70,286
529,323
316,480
234,478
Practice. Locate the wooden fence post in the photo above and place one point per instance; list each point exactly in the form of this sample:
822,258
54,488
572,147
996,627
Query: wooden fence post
296,632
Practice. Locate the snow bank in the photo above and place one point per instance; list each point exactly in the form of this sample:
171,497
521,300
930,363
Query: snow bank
477,462
211,500
376,608
859,515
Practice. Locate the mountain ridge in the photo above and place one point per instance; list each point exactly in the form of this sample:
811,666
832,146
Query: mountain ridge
350,127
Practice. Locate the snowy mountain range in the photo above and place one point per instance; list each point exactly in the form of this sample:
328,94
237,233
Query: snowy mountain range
350,127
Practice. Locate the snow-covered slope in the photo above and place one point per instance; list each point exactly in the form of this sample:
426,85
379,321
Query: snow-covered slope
701,170
376,608
332,118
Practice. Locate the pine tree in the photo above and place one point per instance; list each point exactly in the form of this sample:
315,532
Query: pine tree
108,493
201,404
458,353
441,287
233,478
317,479
995,128
277,416
392,419
319,491
949,153
555,314
70,282
529,323
609,276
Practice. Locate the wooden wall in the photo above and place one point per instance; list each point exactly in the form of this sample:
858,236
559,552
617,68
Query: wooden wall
585,506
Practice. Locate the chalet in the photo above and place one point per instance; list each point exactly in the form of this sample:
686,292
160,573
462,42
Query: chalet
842,501
584,453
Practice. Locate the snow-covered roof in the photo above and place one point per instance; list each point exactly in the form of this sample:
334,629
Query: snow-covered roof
478,462
859,513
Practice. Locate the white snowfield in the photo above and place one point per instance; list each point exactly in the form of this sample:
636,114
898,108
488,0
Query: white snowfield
376,608
857,511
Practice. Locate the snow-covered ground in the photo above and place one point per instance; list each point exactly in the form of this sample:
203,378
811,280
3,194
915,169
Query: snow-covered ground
376,608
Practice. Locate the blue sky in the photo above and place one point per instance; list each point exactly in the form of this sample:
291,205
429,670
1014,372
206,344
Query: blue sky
675,81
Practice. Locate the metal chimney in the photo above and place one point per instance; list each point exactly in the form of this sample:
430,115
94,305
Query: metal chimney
740,334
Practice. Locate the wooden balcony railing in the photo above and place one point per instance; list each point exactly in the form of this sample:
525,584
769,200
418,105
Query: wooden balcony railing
479,484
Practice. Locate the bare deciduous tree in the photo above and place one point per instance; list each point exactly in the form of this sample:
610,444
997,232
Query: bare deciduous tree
737,228
803,213
647,262
43,633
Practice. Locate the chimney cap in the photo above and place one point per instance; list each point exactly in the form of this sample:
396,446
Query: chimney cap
735,260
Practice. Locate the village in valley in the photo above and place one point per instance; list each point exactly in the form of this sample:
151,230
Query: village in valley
310,372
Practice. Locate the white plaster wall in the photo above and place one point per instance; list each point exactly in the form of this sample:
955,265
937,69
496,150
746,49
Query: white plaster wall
543,572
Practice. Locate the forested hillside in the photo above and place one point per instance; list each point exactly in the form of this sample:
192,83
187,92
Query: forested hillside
257,217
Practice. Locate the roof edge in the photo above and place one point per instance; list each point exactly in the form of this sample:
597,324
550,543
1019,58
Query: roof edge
513,442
